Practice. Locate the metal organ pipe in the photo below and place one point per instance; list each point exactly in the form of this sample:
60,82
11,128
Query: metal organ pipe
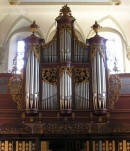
98,80
28,82
65,46
98,73
49,96
49,53
32,82
65,91
82,96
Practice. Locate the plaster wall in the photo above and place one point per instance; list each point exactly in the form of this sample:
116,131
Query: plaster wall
45,17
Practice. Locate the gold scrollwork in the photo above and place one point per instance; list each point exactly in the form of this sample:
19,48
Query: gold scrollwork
49,75
15,87
81,75
97,48
15,128
36,50
67,27
65,128
113,90
68,69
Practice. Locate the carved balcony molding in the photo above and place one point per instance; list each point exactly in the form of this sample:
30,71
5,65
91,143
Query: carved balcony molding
86,2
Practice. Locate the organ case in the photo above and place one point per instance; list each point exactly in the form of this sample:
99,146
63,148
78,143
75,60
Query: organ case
65,74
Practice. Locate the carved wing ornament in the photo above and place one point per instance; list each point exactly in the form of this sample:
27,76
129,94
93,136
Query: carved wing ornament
15,86
114,87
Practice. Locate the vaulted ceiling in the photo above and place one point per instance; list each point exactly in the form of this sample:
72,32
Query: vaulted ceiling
30,6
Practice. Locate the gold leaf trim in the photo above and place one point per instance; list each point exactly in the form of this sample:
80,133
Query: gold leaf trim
15,85
114,87
97,48
81,75
49,75
68,69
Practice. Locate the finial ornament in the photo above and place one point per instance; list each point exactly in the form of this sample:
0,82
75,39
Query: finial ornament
96,27
65,12
34,27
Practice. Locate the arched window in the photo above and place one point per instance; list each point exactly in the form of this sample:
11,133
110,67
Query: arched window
16,51
114,50
20,55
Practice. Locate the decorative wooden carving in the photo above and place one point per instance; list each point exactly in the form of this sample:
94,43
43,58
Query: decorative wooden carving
114,88
81,75
16,87
15,128
49,75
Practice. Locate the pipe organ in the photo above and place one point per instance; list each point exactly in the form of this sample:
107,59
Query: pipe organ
65,98
98,73
65,74
31,74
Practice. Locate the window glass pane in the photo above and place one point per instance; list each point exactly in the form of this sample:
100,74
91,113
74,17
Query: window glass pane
114,51
20,55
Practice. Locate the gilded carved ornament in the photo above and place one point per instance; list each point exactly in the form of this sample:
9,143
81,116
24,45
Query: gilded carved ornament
114,87
65,12
81,75
73,127
97,48
68,69
67,27
35,49
14,128
15,86
49,75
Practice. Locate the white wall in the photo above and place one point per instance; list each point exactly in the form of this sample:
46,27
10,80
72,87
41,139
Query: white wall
114,17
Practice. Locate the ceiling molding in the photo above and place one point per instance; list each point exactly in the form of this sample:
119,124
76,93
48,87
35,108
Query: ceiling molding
56,2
